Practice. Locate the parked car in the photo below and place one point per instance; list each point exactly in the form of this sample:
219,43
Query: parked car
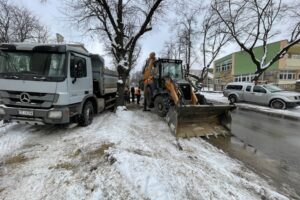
266,94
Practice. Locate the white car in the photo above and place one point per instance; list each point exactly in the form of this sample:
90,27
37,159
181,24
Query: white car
267,94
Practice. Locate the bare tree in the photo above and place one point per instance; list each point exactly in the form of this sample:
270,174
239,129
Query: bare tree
186,25
213,38
5,21
255,22
24,25
171,49
18,24
41,34
120,24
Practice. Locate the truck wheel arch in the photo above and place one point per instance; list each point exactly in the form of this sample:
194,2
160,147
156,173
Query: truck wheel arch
92,99
233,96
284,106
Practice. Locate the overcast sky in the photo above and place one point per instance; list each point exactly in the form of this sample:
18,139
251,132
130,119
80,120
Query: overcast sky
50,15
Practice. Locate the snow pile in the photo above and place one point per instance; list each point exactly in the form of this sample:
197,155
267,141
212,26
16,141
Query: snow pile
11,138
215,96
291,112
122,155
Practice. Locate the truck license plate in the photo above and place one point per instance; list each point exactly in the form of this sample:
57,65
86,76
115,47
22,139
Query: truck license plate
25,112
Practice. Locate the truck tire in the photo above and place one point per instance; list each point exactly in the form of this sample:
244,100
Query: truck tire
160,106
232,98
87,115
278,104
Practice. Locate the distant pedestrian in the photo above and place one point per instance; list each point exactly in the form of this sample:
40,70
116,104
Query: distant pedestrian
127,95
132,91
138,95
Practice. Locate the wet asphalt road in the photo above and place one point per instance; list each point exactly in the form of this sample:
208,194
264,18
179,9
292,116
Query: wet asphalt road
268,145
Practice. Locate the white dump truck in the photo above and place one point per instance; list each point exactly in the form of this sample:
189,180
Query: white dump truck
53,84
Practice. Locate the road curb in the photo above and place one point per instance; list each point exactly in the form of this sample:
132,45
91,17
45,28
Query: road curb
270,113
264,110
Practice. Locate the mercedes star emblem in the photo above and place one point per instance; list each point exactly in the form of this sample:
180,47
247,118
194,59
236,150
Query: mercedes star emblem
24,98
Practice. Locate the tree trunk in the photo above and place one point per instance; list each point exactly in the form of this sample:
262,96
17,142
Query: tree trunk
123,74
121,96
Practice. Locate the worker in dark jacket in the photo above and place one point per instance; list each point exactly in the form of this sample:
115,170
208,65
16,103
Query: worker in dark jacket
132,91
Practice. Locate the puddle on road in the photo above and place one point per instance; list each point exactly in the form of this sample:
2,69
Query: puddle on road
285,178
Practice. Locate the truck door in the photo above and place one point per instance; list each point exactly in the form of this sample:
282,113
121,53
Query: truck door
248,93
80,78
259,95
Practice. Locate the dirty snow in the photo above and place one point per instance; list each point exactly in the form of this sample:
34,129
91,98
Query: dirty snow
219,97
129,154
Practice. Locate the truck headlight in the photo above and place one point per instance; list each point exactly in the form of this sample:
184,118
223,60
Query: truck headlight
55,114
2,111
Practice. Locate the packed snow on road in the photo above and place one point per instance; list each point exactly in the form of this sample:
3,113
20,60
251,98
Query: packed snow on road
129,154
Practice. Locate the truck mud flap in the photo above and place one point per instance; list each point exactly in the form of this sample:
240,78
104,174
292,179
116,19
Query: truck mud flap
200,120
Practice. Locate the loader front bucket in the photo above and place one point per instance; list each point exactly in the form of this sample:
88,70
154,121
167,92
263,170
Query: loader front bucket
200,120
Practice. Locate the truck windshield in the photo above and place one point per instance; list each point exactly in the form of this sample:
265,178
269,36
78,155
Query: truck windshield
173,70
31,65
272,88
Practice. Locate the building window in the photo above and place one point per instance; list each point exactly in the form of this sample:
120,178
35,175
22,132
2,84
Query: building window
294,56
287,75
217,81
244,78
225,66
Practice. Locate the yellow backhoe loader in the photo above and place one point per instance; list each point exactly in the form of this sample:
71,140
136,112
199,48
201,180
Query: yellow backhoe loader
173,95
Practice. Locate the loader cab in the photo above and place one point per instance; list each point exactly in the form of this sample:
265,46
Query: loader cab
170,68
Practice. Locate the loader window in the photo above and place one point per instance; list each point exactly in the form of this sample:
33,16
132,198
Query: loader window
172,70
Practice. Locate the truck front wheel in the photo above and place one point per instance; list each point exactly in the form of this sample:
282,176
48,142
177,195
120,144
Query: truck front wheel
86,117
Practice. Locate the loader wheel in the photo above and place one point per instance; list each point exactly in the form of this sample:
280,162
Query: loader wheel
160,106
86,118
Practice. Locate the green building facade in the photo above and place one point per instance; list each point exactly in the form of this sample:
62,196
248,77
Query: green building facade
238,66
